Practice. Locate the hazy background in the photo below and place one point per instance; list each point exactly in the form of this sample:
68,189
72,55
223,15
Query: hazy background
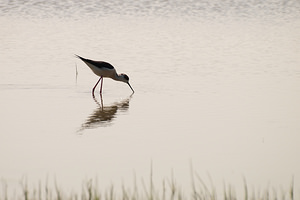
217,85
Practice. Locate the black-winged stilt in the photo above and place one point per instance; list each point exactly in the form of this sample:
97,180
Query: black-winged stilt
104,69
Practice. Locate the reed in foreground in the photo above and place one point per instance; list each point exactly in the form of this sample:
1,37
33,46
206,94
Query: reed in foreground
168,190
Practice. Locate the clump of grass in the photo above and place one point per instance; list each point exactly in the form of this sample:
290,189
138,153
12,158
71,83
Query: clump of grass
168,190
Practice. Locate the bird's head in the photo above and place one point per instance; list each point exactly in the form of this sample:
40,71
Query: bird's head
125,79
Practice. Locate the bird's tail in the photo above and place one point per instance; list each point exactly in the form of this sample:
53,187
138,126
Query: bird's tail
77,56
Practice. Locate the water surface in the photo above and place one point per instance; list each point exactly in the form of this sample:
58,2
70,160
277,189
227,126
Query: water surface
217,84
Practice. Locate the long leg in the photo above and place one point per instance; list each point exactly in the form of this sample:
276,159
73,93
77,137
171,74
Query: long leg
101,101
101,86
96,86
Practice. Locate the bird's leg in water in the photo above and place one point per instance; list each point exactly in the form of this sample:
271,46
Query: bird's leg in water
101,86
96,86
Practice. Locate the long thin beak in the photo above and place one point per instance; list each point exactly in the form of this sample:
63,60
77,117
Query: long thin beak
130,87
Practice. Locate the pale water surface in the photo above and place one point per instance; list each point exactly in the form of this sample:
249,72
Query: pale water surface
217,85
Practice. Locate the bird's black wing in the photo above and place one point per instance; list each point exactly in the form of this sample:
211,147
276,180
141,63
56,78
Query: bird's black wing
99,64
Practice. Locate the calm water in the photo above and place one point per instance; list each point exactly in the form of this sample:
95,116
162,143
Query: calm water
217,84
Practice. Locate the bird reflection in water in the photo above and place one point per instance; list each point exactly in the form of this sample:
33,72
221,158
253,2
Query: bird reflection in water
104,115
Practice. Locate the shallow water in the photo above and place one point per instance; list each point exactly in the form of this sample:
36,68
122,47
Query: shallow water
217,84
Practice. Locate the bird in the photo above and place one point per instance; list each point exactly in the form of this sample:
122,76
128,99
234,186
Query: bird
104,69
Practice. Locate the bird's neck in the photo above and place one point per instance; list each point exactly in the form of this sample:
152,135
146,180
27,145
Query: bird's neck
117,77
